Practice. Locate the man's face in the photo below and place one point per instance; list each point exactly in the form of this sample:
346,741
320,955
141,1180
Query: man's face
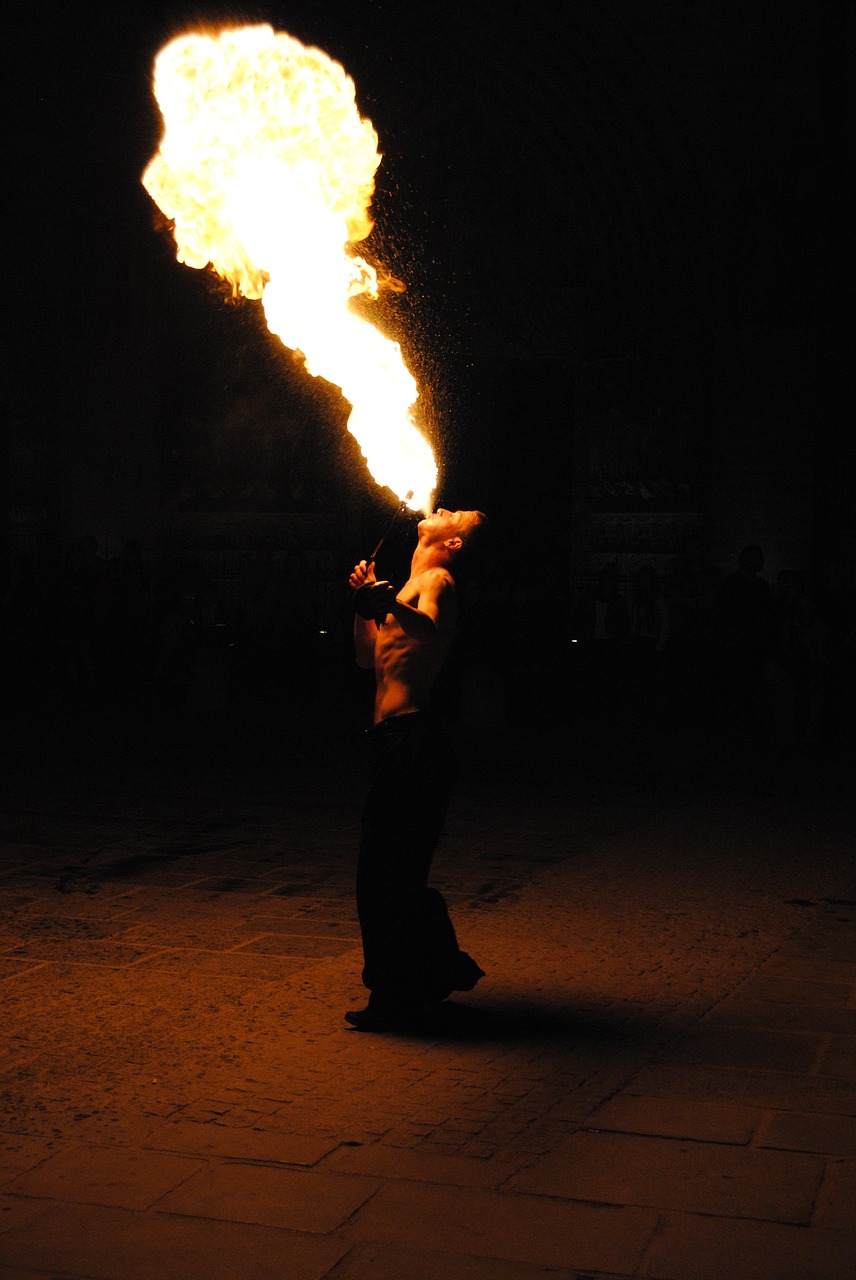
441,524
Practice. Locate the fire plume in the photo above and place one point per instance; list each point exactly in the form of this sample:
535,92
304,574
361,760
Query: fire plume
266,170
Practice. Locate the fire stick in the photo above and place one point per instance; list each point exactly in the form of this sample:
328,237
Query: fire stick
370,599
401,509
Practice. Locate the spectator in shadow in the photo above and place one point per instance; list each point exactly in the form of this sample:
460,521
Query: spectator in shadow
650,631
790,584
803,645
693,584
129,599
694,580
300,651
787,589
481,656
603,619
24,629
651,622
744,634
691,592
181,595
277,623
84,613
836,606
602,628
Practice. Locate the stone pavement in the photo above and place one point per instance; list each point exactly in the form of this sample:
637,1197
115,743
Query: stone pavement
657,1077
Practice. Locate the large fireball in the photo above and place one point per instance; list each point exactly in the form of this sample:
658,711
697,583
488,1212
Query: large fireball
266,170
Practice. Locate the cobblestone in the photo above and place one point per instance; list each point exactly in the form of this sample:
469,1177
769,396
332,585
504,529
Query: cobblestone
654,1079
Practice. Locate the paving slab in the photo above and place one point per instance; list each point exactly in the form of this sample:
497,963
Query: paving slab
380,1262
665,1173
383,1161
202,935
703,1248
779,1015
827,945
807,1131
677,1118
772,986
184,963
809,969
91,1175
13,967
298,1201
514,1228
753,1047
787,1091
839,1057
836,1205
113,955
25,1273
117,1244
117,905
15,1212
296,944
19,1153
311,925
257,1143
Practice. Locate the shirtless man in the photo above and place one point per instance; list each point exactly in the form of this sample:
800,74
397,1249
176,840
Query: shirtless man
411,954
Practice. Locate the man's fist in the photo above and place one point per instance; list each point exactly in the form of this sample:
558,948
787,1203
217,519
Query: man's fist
373,599
362,573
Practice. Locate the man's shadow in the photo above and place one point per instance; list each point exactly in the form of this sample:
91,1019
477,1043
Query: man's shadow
510,1020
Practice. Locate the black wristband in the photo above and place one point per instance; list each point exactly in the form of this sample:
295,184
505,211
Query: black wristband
373,599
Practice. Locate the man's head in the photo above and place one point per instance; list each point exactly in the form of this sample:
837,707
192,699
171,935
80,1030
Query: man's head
449,533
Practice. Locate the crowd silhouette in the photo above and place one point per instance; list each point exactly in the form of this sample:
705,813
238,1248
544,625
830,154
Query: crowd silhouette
134,630
694,663
613,667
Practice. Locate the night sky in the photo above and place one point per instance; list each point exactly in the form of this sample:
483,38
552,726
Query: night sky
556,186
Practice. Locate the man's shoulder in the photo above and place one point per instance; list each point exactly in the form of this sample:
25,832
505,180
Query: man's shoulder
437,578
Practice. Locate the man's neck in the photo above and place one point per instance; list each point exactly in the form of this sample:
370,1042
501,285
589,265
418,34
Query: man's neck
428,557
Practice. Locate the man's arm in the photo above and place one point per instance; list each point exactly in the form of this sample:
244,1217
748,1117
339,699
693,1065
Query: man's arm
365,629
436,611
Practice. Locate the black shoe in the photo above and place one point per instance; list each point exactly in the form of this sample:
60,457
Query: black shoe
466,973
378,1017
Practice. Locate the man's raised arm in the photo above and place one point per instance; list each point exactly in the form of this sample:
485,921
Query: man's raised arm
365,629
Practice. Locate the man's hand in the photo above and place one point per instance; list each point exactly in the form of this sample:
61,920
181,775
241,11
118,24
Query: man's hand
363,573
371,598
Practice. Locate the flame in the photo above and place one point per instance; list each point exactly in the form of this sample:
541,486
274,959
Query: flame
266,170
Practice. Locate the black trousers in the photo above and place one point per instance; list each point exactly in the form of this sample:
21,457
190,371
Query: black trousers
410,950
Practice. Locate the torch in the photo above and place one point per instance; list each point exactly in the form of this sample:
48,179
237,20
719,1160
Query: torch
371,599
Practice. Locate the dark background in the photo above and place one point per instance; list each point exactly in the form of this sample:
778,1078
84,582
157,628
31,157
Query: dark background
621,228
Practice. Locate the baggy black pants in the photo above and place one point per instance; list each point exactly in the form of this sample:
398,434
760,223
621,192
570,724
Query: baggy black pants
410,950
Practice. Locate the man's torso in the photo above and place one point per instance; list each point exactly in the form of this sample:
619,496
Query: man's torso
406,668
